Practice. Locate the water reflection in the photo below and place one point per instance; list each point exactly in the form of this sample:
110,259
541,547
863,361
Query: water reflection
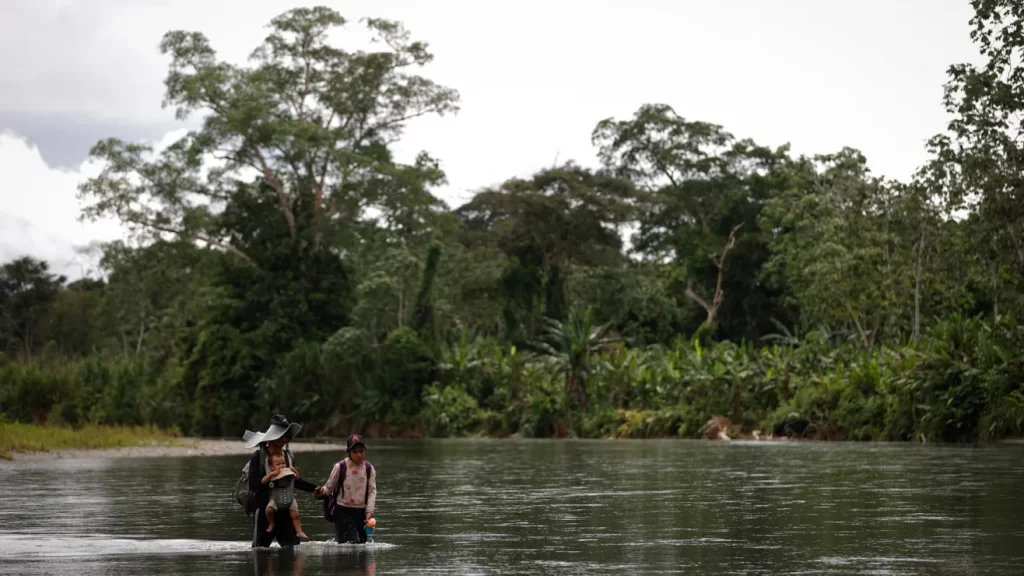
294,561
528,507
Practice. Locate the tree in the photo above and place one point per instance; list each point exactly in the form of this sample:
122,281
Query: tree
832,245
704,190
290,176
311,121
929,244
27,289
979,163
561,218
154,291
635,298
74,320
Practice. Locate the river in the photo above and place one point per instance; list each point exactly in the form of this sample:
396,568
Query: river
543,507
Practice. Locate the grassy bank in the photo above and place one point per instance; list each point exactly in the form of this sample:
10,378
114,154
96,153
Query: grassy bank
16,437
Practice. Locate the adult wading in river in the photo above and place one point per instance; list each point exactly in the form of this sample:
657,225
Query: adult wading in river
273,442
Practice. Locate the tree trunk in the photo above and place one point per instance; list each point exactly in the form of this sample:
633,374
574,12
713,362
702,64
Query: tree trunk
916,329
401,306
719,297
995,295
142,336
28,343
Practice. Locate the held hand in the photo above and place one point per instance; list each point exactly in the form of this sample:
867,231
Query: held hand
294,471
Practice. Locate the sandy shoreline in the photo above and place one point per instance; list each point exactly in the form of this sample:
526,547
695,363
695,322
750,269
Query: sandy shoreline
189,447
185,447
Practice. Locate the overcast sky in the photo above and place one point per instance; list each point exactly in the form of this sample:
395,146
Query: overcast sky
535,76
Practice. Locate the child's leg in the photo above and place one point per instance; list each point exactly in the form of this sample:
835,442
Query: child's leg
294,511
271,512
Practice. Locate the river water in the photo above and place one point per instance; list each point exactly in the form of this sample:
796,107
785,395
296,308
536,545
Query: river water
544,507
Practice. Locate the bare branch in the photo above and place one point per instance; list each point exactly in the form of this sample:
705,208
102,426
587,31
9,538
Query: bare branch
282,195
232,249
720,263
291,163
196,236
693,296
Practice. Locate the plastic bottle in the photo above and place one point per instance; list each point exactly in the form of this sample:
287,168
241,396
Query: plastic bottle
371,525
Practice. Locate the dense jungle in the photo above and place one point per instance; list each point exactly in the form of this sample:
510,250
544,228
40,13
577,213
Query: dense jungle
690,283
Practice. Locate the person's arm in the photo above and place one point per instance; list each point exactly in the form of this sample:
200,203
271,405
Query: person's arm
371,493
332,482
304,485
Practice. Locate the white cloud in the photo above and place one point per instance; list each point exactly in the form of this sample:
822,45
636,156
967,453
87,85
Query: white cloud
39,210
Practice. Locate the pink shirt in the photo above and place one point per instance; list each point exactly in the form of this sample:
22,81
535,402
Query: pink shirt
355,483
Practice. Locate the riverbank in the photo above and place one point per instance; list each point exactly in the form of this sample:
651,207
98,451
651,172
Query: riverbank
17,438
188,447
183,447
32,442
49,443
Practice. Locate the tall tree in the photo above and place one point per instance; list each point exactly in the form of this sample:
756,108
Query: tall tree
291,173
74,321
704,190
312,121
561,218
833,247
979,162
27,289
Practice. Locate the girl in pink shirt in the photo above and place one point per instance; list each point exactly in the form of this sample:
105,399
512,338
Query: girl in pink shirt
351,493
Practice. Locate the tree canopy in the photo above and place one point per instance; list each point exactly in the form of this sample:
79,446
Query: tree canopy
283,260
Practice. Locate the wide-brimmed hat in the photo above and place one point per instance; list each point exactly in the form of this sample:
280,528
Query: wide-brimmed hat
282,473
279,426
355,440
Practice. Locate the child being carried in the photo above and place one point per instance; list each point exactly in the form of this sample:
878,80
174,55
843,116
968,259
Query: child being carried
281,482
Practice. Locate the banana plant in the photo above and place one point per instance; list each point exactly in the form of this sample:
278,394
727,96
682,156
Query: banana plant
571,347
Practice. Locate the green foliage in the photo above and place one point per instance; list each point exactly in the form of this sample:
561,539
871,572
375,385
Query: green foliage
306,271
703,192
27,291
449,411
961,381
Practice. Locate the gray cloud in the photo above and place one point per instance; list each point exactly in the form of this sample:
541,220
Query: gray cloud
101,58
82,58
64,139
77,71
